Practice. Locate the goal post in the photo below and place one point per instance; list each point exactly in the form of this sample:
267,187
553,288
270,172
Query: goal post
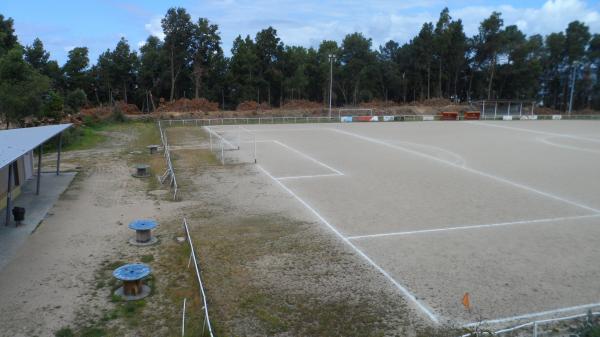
232,144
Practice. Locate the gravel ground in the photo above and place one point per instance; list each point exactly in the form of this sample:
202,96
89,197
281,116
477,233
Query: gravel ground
402,177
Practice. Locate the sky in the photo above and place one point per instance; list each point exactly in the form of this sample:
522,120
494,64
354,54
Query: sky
99,24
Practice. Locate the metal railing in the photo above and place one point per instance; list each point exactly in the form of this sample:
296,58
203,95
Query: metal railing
395,118
169,172
535,325
206,322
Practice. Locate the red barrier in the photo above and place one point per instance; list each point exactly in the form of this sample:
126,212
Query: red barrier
363,118
470,115
449,116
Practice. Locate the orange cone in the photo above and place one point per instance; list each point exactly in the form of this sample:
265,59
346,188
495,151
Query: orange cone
466,301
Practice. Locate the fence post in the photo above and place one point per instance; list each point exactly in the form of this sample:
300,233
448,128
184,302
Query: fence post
210,139
535,329
222,152
254,148
521,109
183,319
495,109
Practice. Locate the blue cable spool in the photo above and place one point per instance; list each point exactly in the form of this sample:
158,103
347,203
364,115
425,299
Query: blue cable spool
132,272
143,224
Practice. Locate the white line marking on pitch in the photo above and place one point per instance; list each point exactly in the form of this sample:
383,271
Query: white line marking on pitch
310,176
402,289
522,222
546,141
309,157
471,170
532,315
566,135
460,160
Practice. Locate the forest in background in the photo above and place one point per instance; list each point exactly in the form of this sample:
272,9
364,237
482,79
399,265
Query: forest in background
499,62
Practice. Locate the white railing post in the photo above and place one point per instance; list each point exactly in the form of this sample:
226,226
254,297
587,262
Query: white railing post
206,322
222,152
183,319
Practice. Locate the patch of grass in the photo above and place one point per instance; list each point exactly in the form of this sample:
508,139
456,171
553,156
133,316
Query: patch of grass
147,258
92,332
64,332
83,138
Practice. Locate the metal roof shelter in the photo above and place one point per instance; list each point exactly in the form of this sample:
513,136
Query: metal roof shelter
15,143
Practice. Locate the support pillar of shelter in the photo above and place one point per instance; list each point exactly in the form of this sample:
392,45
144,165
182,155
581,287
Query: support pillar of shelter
39,171
58,150
9,193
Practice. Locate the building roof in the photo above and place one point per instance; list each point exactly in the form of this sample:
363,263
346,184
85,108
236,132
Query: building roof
14,143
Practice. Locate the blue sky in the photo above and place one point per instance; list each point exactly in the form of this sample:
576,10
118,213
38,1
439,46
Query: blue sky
98,24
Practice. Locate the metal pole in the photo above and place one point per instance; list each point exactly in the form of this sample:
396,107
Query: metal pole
483,110
535,329
183,319
222,153
572,88
59,148
532,105
521,109
210,140
255,149
330,81
9,193
509,109
39,171
495,109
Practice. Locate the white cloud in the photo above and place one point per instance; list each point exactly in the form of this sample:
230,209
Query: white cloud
309,22
154,27
552,16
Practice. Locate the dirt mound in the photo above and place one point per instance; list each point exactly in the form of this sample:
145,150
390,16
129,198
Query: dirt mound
439,102
103,112
374,104
188,105
128,109
301,104
546,111
252,106
100,112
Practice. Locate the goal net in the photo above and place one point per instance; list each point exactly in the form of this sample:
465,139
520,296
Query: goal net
232,144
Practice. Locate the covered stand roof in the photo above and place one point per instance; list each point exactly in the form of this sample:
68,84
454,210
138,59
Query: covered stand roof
14,143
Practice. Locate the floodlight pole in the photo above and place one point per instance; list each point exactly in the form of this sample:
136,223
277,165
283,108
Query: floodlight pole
572,86
331,58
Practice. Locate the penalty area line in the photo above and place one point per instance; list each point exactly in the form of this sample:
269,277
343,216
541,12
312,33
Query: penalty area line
309,176
407,294
446,229
308,157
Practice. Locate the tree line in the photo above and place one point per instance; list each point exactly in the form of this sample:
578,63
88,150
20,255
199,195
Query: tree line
441,61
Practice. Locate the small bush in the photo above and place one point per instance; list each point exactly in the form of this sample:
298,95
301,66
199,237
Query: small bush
118,115
75,100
